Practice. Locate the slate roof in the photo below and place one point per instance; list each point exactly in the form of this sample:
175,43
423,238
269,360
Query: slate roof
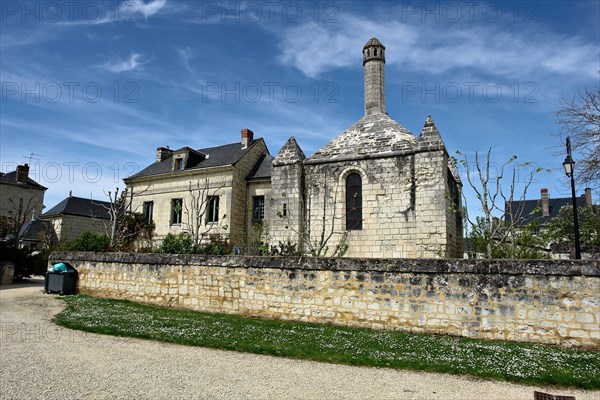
372,135
79,206
228,154
11,179
527,215
31,231
262,169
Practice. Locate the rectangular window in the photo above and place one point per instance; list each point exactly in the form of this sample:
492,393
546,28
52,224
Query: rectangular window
212,210
179,163
258,209
176,211
148,209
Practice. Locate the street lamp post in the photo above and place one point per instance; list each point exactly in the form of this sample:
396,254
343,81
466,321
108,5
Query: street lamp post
569,166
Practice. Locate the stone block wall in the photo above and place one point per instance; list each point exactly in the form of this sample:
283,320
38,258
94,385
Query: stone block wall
286,205
162,190
404,206
239,199
12,194
70,227
553,302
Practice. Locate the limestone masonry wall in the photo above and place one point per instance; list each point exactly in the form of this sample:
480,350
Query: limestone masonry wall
554,302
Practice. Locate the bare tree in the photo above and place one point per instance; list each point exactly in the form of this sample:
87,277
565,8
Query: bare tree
125,224
315,236
11,224
579,118
199,222
500,221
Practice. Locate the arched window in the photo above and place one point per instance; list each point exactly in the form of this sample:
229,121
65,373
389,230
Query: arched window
353,202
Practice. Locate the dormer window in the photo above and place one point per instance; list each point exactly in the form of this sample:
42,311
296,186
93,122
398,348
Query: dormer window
179,164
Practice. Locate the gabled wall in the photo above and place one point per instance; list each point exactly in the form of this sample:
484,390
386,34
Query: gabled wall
70,227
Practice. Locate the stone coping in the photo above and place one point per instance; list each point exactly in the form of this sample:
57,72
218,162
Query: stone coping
427,266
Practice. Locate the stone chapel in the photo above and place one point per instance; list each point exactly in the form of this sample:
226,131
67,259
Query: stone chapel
376,189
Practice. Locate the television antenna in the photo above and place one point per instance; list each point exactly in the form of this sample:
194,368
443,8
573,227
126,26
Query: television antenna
33,156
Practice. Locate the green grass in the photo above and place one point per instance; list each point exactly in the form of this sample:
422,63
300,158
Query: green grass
517,362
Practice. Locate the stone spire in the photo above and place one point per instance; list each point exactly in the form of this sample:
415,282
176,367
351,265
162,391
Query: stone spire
290,153
430,138
373,65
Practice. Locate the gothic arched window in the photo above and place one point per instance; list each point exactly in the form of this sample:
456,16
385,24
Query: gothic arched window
353,202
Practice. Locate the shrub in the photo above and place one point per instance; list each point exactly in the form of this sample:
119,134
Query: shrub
217,245
26,264
88,241
285,249
177,244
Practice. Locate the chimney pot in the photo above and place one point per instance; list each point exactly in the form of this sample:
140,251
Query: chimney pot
545,203
247,138
22,173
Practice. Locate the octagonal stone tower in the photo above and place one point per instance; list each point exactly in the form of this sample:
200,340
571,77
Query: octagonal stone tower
373,65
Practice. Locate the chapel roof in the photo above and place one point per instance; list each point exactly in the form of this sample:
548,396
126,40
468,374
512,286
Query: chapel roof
373,135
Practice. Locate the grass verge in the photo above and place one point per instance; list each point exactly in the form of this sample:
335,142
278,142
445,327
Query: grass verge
517,362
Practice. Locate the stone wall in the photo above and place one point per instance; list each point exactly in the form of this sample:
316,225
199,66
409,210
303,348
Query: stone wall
239,199
554,302
70,227
404,207
10,201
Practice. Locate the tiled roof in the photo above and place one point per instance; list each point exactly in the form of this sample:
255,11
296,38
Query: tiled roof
11,178
372,135
80,206
228,154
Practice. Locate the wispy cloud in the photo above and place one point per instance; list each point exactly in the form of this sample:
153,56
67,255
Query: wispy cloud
132,63
146,9
317,48
127,11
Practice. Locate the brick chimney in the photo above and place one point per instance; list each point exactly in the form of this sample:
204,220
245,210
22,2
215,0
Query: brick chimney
588,197
247,138
545,203
22,173
162,153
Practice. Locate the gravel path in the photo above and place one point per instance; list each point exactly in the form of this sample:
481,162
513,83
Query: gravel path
41,360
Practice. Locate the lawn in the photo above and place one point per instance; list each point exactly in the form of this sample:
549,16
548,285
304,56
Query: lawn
517,362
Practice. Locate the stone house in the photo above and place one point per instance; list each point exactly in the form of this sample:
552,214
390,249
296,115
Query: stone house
543,210
21,198
204,191
75,215
376,189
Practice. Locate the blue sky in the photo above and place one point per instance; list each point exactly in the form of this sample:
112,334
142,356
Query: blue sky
92,88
